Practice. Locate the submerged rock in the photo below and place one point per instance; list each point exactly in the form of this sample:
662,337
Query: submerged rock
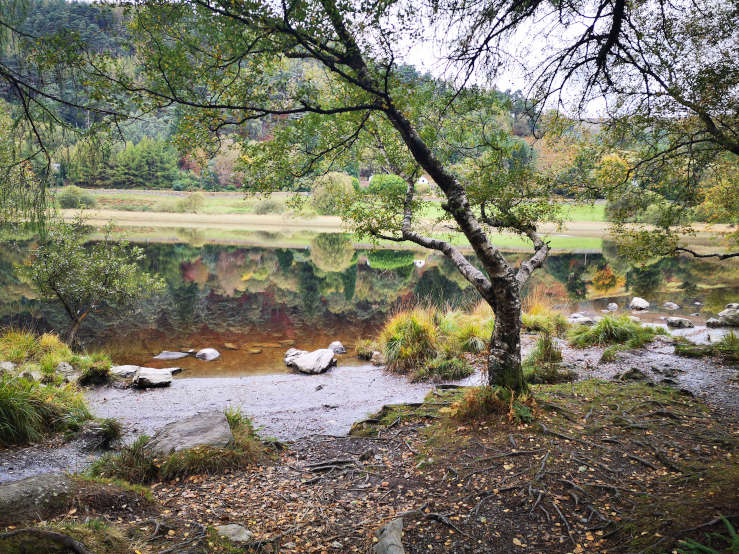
312,363
670,306
168,355
235,532
202,429
337,347
638,303
208,354
146,377
679,323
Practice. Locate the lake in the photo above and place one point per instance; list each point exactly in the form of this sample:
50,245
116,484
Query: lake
253,301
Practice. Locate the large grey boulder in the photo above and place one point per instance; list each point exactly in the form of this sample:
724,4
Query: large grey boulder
638,304
235,532
202,429
208,354
312,363
35,497
732,306
679,323
670,306
168,355
729,317
389,538
146,377
337,347
124,371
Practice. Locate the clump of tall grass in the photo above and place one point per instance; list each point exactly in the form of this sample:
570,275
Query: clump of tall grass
136,464
29,410
542,365
365,348
727,348
552,323
429,344
614,330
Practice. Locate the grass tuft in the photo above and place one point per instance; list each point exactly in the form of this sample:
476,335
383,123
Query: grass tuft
727,348
613,330
29,410
480,403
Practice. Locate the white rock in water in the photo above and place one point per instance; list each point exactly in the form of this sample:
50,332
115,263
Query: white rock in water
612,307
208,354
337,347
202,429
314,362
580,319
167,355
732,306
670,306
146,377
679,323
639,304
235,532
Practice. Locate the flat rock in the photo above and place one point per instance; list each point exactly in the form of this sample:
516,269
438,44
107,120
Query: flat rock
208,354
580,319
146,377
34,497
235,532
638,303
202,429
173,370
124,371
670,306
168,355
337,347
377,358
311,363
679,323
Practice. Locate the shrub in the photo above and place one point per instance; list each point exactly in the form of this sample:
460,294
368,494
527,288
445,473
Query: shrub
134,463
269,206
545,352
387,184
444,369
191,203
29,410
74,197
548,322
613,330
331,191
409,340
332,252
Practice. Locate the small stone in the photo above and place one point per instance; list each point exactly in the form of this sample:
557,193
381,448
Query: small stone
337,347
208,354
337,545
679,323
319,387
169,355
124,371
255,351
235,533
230,346
670,306
612,307
713,322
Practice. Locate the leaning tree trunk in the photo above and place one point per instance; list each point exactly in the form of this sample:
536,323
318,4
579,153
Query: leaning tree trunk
504,360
